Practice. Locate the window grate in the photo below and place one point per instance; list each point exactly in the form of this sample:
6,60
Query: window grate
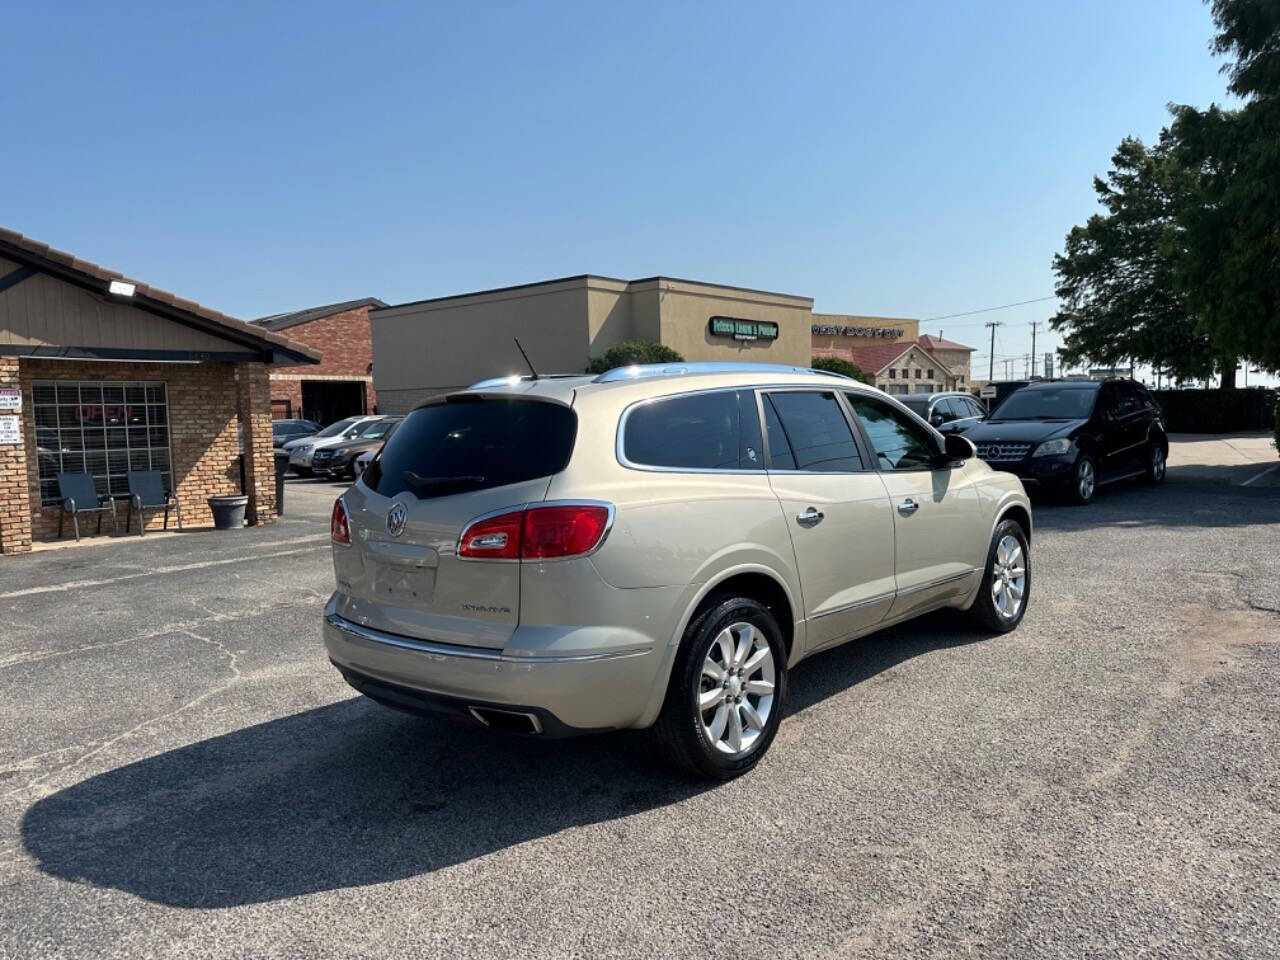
103,428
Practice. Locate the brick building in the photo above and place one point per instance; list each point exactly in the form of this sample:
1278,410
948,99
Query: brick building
100,374
341,384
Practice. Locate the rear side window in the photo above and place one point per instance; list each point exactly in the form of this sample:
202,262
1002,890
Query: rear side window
473,443
808,431
699,431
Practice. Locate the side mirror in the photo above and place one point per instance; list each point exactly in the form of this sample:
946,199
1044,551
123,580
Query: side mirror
957,447
936,420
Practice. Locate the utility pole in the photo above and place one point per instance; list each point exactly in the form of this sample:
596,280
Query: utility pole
991,369
1008,368
1034,324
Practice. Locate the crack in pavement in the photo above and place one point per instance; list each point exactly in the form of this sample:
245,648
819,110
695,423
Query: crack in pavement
233,664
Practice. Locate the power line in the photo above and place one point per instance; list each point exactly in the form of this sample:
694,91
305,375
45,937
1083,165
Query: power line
1003,306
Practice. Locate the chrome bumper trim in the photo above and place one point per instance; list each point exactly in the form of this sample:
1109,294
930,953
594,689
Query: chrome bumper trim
445,651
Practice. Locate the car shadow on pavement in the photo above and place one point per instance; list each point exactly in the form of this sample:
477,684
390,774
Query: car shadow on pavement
1171,505
352,794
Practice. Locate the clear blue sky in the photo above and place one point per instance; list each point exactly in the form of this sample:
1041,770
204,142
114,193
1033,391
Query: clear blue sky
904,159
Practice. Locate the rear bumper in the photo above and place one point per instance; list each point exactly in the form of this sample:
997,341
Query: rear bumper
570,693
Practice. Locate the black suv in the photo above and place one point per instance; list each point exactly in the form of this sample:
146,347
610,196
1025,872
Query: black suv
1074,435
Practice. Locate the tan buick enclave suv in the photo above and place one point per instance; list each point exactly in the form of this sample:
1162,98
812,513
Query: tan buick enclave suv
657,547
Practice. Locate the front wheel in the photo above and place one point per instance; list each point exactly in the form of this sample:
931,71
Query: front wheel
1156,464
728,684
1084,481
1006,582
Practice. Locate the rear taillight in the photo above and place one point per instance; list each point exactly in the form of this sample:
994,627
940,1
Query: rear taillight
562,531
339,526
548,532
493,538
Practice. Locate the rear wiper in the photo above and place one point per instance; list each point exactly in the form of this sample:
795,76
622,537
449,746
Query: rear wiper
433,483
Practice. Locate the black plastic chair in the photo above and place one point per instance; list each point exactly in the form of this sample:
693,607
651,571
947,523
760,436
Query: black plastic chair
147,492
80,496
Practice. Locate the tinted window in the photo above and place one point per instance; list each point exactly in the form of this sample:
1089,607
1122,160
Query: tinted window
1048,403
976,409
468,443
918,404
780,457
815,431
1127,397
703,431
333,429
899,442
946,410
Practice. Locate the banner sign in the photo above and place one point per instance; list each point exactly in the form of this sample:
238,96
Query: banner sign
10,399
10,430
743,329
834,330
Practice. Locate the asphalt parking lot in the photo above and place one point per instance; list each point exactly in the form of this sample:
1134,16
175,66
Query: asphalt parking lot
183,774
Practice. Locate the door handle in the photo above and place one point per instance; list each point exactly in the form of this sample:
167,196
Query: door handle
907,507
810,517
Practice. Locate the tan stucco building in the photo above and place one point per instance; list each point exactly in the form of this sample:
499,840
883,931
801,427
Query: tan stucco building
432,346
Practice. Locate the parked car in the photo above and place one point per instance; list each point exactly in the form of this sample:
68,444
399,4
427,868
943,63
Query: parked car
301,451
949,412
1073,436
657,547
282,431
339,460
364,460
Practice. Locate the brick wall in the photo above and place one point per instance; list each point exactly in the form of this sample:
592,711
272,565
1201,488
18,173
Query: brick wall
346,352
15,517
202,431
252,392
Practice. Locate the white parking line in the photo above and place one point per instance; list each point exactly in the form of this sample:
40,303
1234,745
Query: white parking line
176,568
1259,476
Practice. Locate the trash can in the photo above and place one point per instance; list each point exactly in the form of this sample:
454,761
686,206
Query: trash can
282,467
228,511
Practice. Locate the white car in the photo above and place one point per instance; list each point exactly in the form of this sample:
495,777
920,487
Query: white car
301,452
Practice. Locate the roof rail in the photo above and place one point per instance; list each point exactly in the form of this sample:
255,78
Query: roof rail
639,371
515,378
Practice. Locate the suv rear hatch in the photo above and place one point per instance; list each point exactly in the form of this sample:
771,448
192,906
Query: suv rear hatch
450,461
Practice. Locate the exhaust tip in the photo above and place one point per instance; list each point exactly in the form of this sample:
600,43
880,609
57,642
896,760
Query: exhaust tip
507,721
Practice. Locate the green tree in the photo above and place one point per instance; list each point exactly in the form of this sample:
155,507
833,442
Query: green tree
1183,270
1117,275
1230,268
633,351
844,367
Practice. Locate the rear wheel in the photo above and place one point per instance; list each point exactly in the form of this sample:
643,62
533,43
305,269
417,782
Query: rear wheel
728,684
1006,582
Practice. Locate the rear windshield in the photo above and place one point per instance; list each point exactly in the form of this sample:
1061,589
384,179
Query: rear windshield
472,443
918,404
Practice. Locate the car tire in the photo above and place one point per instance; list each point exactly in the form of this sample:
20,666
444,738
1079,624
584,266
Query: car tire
712,707
1084,481
995,609
1157,464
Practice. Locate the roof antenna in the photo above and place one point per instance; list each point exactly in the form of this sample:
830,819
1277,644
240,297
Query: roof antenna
526,358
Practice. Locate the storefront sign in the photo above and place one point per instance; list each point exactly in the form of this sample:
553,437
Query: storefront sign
834,330
10,399
10,430
743,329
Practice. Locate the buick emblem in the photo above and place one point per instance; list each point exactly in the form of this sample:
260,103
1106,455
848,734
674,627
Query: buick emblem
396,518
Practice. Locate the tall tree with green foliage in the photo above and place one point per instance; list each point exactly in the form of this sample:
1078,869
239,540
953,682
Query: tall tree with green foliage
1183,270
1117,276
1230,269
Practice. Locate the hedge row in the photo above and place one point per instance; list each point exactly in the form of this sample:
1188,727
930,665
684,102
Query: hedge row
1217,411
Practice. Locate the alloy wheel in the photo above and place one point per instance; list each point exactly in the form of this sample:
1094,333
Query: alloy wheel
1085,480
1008,577
736,689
